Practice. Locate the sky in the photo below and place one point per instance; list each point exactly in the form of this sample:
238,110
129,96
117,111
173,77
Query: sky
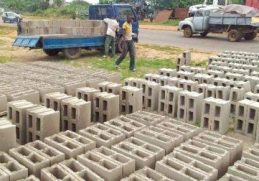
89,1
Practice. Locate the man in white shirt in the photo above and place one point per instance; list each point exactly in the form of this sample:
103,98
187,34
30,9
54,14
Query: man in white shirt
112,28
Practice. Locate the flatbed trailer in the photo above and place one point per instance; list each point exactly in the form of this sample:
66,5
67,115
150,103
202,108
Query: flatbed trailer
53,44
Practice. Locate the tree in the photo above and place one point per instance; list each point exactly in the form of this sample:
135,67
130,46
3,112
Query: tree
59,3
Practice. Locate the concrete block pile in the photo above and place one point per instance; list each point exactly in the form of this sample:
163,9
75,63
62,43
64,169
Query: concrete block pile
3,104
184,59
246,168
106,106
215,115
109,87
130,99
8,134
67,27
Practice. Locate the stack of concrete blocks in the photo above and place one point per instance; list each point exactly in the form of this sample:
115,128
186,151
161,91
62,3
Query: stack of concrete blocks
189,104
178,166
210,155
125,125
146,174
160,79
144,154
215,73
114,88
173,81
215,115
150,94
108,164
41,122
167,72
253,81
210,90
168,100
70,143
185,59
75,114
242,71
53,100
188,85
36,156
234,76
69,170
130,99
232,145
29,95
146,118
222,92
17,115
187,130
3,104
202,78
160,137
236,94
256,89
103,135
246,168
221,82
87,94
185,75
252,96
246,121
198,70
106,106
10,169
8,135
68,27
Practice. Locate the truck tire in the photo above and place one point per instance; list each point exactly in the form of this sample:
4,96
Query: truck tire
72,53
234,35
250,36
204,34
51,52
187,32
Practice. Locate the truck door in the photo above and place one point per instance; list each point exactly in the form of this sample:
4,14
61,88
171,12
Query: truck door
198,21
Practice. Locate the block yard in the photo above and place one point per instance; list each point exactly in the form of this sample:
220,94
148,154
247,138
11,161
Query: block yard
65,123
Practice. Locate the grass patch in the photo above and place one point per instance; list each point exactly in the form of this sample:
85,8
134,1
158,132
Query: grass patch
143,65
171,22
169,49
198,63
4,59
4,30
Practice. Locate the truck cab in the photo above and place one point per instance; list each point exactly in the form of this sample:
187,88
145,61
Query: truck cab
120,12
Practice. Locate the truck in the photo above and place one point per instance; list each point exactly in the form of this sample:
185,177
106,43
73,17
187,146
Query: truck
208,5
71,45
206,21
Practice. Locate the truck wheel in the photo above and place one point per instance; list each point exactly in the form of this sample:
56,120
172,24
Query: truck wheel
234,35
250,36
187,32
72,53
51,52
204,34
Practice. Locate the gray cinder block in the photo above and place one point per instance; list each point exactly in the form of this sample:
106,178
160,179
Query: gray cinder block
8,135
167,72
103,135
3,104
75,114
178,127
114,88
130,99
10,169
53,100
146,118
168,100
143,153
215,115
70,143
189,106
160,137
125,125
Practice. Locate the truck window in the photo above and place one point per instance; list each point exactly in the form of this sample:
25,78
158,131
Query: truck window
101,11
198,14
221,2
209,2
123,12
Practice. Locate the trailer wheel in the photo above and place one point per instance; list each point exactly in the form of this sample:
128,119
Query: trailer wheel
187,32
250,36
234,35
51,52
72,53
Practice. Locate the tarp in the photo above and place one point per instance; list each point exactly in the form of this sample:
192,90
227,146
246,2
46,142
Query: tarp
240,9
